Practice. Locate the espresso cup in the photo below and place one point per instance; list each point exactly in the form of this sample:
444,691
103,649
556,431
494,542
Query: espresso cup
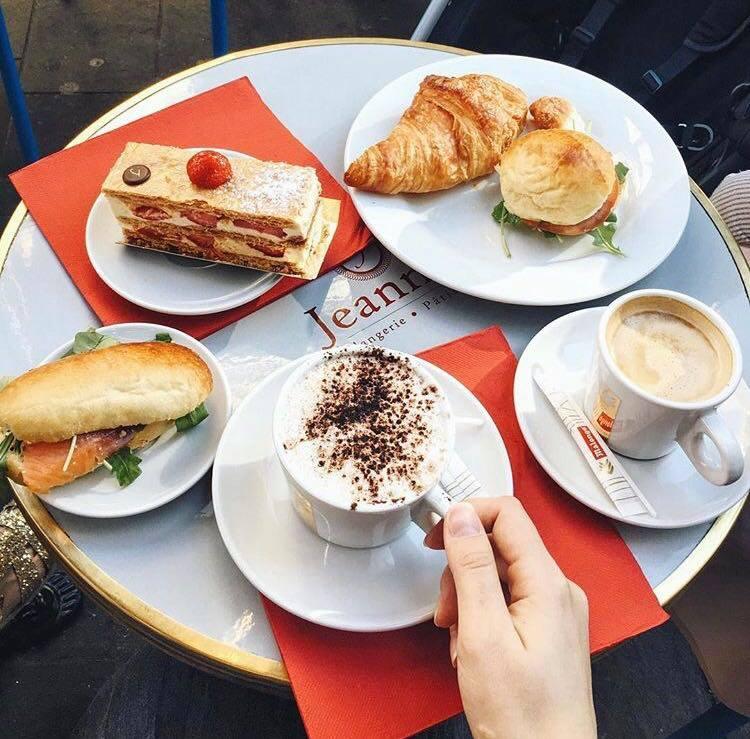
336,520
662,363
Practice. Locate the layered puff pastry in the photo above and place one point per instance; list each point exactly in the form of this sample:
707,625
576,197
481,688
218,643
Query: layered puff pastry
268,216
455,129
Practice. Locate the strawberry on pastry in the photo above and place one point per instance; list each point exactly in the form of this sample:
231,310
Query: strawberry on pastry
201,240
150,213
209,169
267,228
209,220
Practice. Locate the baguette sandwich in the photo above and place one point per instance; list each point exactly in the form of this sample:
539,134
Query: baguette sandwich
96,407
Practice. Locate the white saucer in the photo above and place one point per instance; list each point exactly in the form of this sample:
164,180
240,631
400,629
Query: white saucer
168,283
168,469
680,496
379,589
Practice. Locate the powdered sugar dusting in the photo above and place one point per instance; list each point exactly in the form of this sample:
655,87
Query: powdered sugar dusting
270,189
257,189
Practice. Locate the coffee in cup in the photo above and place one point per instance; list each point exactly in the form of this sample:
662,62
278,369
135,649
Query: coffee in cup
366,429
663,362
669,349
363,435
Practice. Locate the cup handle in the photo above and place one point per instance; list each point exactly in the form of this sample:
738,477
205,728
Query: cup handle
435,502
731,460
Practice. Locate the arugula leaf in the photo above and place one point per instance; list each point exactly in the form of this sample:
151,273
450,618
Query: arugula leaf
192,419
5,447
164,337
7,443
550,235
621,171
88,341
602,236
502,215
124,465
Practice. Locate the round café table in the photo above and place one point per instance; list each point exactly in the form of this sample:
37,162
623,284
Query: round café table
166,573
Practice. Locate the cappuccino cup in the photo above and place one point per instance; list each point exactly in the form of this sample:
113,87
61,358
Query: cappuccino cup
663,362
363,435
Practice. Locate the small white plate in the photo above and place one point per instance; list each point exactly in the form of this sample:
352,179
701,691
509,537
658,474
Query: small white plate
451,237
679,495
379,589
168,283
168,469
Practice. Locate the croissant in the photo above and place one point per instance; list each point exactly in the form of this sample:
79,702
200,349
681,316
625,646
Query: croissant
455,129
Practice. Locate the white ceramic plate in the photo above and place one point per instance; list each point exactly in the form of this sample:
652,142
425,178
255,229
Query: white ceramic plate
451,237
168,469
680,496
168,283
379,589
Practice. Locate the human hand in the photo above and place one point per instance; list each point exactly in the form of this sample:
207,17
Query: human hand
523,667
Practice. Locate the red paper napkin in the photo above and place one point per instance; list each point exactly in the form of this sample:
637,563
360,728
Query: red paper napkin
397,683
60,189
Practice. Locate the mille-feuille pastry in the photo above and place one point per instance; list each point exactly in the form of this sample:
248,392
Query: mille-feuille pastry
455,129
555,112
264,215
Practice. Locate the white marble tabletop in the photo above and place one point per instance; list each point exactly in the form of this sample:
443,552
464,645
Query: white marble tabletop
171,561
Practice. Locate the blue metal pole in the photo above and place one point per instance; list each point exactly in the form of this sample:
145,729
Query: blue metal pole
16,100
219,27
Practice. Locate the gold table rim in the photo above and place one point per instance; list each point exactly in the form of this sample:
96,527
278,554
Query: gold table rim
182,641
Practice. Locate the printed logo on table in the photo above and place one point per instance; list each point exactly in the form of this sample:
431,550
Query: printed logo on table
367,264
377,296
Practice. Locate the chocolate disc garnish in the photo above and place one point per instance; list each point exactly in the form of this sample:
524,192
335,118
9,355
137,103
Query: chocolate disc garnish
136,174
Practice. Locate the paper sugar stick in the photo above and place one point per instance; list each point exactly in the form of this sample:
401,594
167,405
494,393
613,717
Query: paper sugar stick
617,484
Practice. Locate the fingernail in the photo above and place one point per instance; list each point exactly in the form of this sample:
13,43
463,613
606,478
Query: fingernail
452,647
462,520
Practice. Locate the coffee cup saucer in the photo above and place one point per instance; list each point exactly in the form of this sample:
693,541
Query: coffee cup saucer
678,493
378,589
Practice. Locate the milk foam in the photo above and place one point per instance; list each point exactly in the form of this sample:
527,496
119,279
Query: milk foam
360,431
668,356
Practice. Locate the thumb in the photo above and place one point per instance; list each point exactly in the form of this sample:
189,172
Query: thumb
481,604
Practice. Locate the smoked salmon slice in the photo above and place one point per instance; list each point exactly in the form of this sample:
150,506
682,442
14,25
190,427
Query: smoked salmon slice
43,462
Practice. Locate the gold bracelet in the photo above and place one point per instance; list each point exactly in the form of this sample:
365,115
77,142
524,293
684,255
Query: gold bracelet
18,545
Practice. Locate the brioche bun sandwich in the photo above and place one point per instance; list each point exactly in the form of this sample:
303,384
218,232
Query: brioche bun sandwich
97,406
563,183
